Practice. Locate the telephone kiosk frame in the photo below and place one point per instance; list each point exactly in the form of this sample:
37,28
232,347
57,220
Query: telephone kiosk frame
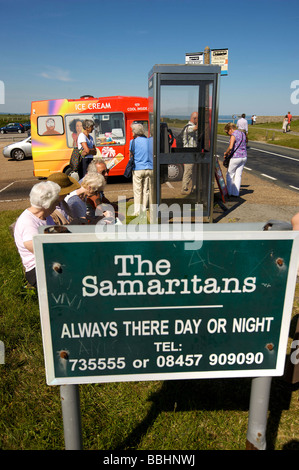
176,91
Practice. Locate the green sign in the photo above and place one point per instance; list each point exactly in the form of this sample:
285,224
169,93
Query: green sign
123,310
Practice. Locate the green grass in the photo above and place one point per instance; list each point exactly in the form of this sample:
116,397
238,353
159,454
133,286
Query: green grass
278,125
270,133
7,118
154,415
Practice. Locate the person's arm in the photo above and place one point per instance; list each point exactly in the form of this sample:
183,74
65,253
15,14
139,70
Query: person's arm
87,150
191,130
295,222
77,207
230,147
29,245
130,149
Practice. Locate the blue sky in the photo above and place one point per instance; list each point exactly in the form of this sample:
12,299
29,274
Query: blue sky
64,49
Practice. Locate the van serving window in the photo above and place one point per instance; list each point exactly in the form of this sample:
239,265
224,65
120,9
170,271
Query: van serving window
109,128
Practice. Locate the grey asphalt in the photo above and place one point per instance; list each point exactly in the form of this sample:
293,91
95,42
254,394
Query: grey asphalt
272,162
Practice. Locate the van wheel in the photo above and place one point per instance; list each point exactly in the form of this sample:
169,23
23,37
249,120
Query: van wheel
175,172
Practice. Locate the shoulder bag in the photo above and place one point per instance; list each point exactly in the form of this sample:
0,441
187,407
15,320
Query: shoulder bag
227,159
131,163
76,159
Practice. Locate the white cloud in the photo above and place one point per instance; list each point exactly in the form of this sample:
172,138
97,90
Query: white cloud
56,73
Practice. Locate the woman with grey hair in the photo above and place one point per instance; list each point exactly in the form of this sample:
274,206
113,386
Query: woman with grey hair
91,185
43,199
140,150
98,165
86,143
138,129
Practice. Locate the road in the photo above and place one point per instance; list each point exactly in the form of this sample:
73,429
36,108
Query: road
16,181
277,164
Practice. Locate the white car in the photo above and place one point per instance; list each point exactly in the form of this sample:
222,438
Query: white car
19,150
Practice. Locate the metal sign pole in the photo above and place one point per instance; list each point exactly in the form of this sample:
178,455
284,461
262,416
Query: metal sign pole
70,404
258,411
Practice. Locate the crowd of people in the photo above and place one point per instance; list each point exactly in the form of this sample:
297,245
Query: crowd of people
62,200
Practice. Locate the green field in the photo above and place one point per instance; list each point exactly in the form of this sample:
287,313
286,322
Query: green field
7,118
271,133
185,415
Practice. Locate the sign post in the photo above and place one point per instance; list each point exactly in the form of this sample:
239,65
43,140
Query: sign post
220,57
70,405
258,410
196,58
150,306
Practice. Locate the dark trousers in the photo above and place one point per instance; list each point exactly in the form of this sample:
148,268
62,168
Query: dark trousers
31,277
85,162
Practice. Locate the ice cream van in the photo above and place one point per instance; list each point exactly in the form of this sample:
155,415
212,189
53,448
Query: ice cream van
56,124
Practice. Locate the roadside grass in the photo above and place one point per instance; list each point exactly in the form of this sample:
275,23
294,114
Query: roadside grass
271,133
278,125
7,118
210,414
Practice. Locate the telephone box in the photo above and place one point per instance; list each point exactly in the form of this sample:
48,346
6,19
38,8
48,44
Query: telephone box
183,112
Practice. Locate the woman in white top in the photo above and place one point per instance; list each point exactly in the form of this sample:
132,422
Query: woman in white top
86,142
43,199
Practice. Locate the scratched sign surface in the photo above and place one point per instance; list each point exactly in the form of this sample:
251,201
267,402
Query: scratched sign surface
152,310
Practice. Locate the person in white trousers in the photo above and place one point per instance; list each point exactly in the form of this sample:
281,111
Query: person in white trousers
237,147
143,174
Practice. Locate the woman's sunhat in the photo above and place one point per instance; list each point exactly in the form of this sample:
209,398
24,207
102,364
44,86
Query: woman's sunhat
67,183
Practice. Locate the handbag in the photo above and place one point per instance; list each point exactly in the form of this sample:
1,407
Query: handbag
227,159
131,163
129,168
76,159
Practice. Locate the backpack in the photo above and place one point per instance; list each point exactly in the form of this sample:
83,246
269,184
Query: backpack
179,138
